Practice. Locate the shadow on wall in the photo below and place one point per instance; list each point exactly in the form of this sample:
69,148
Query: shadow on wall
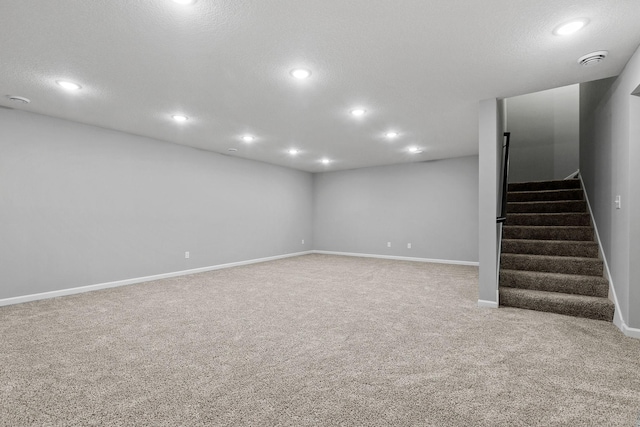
545,134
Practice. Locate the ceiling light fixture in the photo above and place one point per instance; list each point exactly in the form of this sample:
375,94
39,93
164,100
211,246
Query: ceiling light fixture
415,150
293,151
392,134
325,161
232,150
179,118
68,85
300,73
358,112
248,138
570,27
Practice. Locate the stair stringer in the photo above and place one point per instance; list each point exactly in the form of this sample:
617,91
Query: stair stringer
618,321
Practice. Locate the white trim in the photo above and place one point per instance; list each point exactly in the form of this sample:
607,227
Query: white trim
88,288
575,175
400,258
487,304
630,332
607,272
618,321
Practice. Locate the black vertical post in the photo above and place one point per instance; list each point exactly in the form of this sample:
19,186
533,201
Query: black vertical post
505,173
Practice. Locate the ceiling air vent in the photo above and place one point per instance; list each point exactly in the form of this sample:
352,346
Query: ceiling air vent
593,58
19,99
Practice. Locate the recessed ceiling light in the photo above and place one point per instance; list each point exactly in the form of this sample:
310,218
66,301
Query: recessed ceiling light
570,27
392,134
19,99
358,112
300,73
248,138
179,118
184,1
325,161
293,151
415,150
68,85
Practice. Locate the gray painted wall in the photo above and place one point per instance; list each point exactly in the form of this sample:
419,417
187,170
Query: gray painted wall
609,159
545,134
81,205
490,137
432,205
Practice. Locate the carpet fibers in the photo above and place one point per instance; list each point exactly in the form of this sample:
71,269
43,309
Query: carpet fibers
550,260
316,340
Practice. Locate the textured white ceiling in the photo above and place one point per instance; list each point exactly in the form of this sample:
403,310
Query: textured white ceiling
418,66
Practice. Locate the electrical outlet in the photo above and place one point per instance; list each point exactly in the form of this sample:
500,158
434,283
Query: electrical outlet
618,202
186,254
303,241
408,245
388,244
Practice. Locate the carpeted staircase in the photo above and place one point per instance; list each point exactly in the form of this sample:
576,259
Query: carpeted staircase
549,258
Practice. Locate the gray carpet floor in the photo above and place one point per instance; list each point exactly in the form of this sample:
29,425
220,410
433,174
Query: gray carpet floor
316,340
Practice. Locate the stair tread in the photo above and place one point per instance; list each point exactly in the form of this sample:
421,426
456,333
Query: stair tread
547,181
548,232
554,190
547,213
564,248
552,257
569,298
548,206
550,226
530,202
576,284
544,185
552,264
561,276
591,307
554,242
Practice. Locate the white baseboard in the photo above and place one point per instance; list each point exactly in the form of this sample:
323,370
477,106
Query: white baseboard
400,258
487,304
618,321
630,332
607,272
89,288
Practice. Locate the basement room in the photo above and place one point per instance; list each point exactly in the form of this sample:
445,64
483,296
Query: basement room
330,213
